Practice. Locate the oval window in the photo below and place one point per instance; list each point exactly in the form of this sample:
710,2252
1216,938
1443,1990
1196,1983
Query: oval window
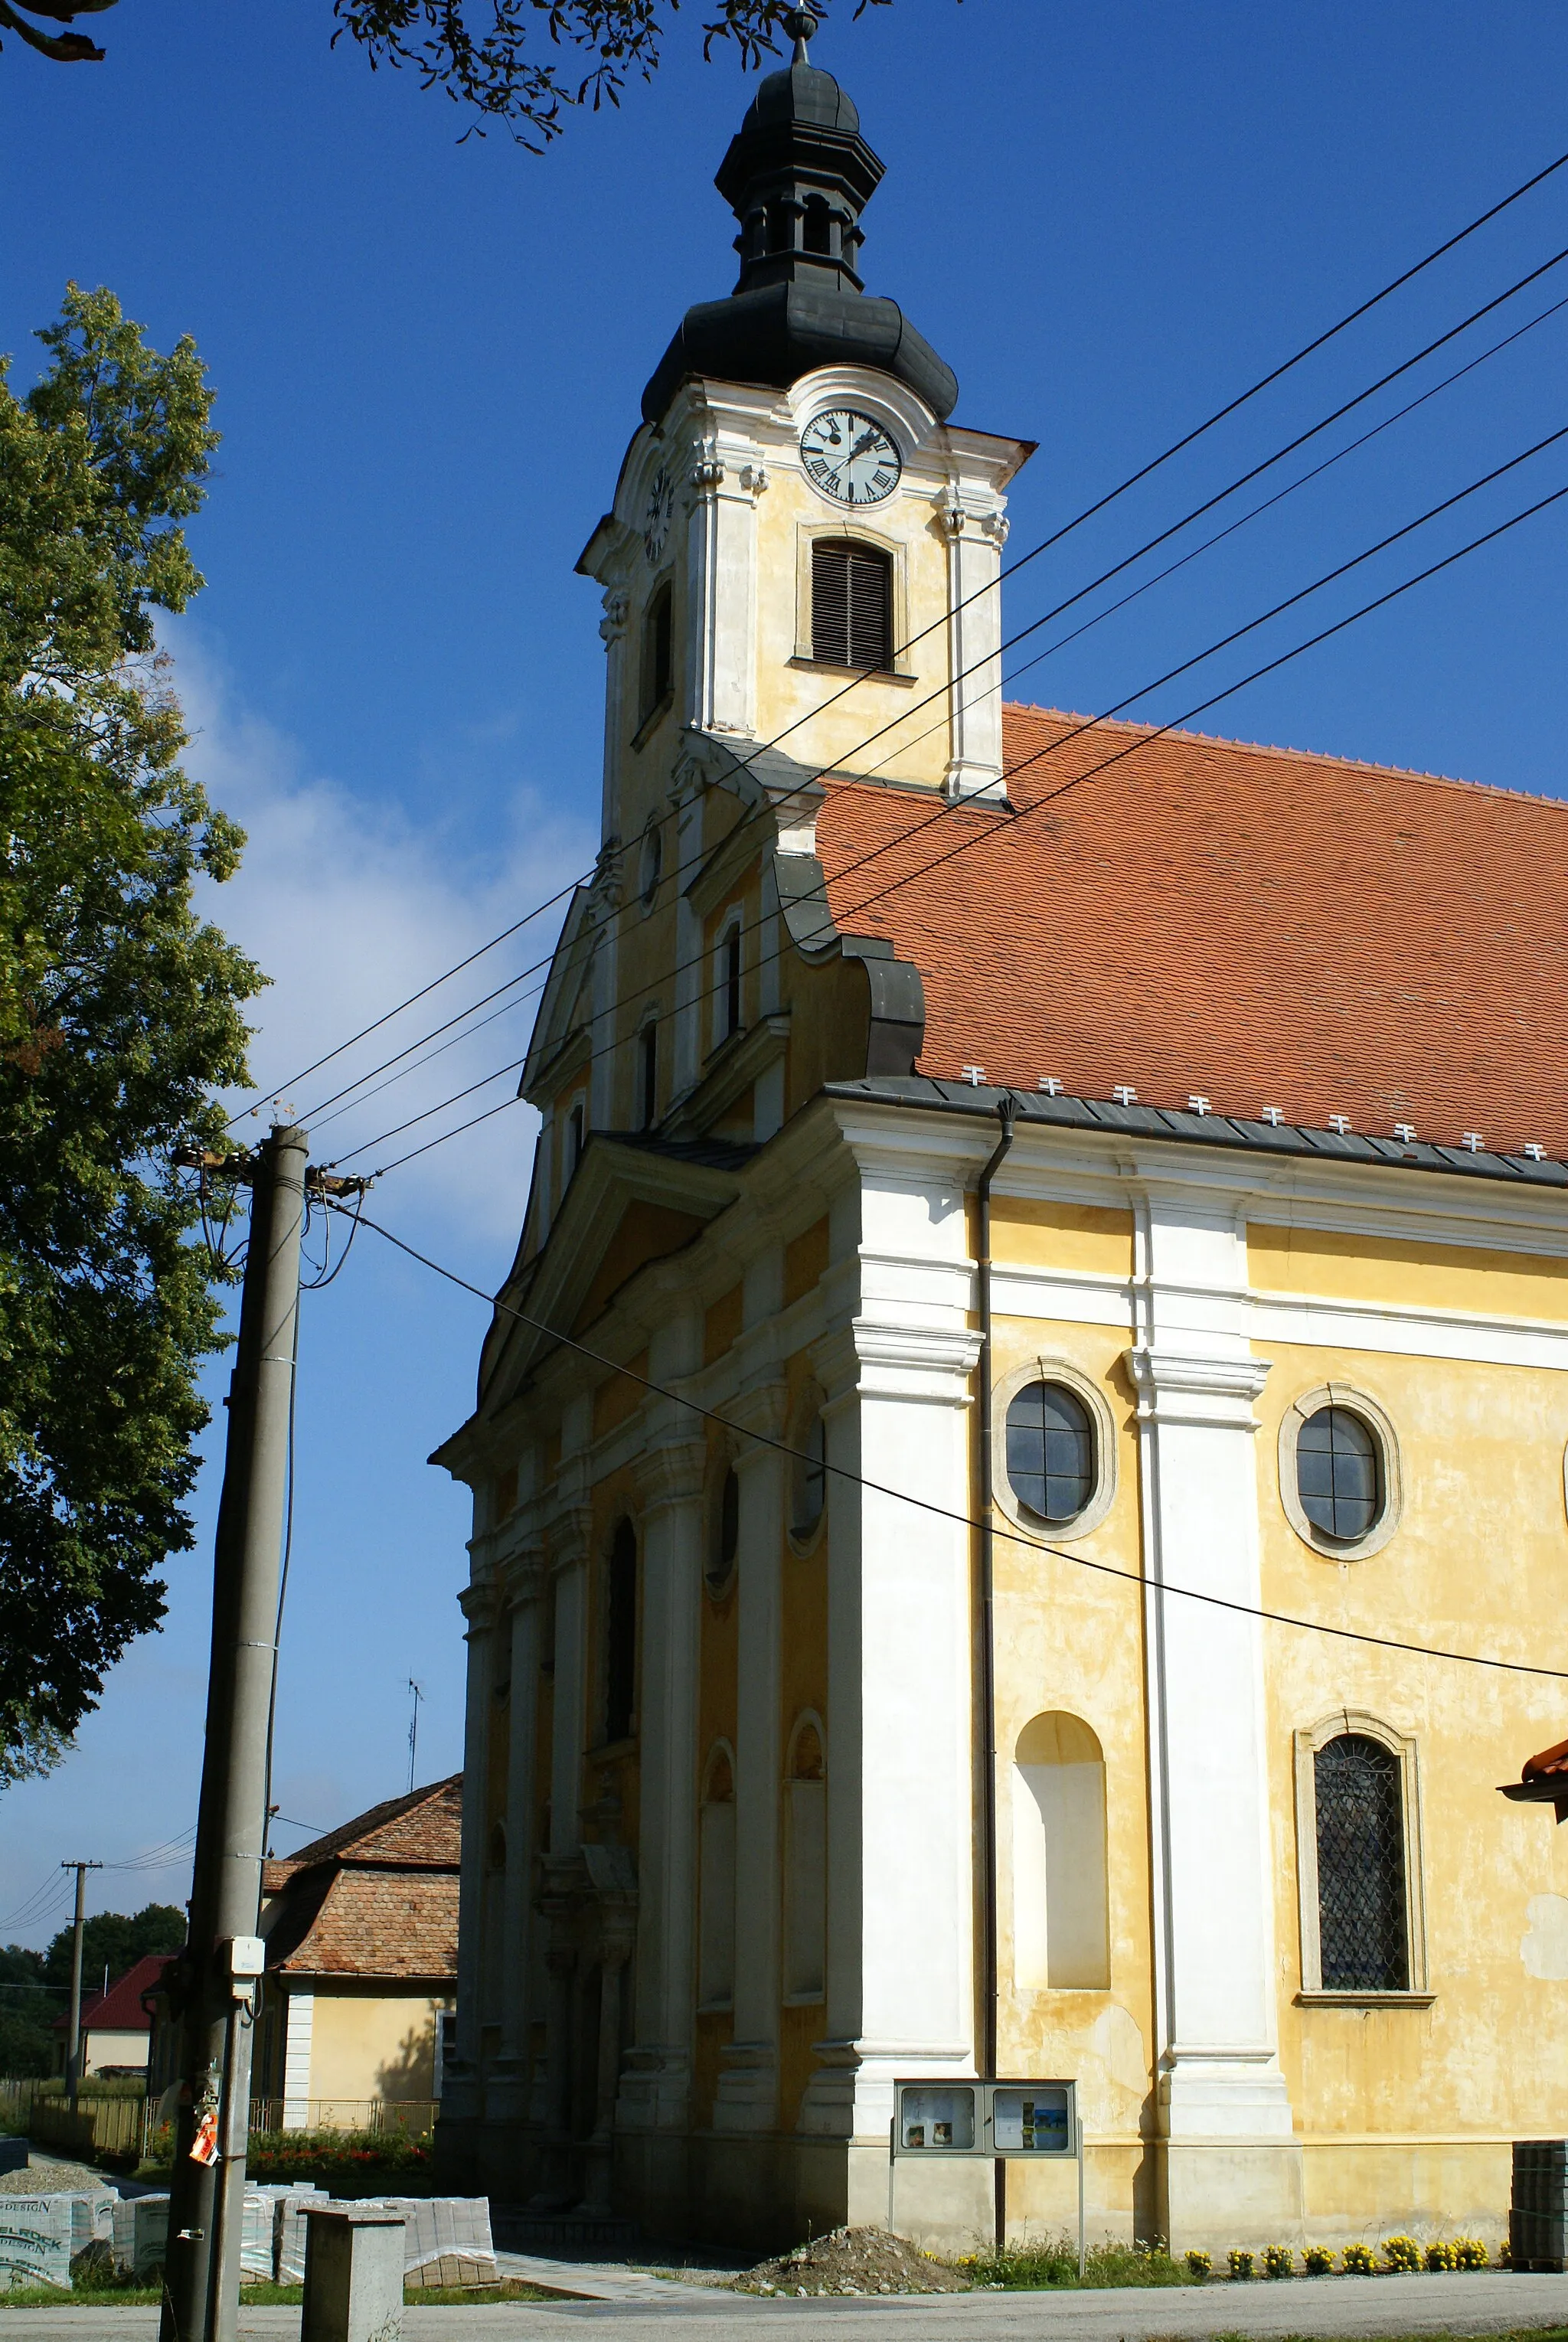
1339,1474
1049,1451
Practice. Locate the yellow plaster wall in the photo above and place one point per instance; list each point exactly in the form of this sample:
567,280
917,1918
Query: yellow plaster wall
373,2045
1477,1564
1084,1238
786,693
1067,1638
1332,1265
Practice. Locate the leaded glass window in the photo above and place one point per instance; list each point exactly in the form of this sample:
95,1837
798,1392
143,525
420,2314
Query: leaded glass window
1363,1941
1049,1451
1338,1474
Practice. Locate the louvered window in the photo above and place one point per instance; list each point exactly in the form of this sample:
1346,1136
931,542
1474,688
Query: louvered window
851,605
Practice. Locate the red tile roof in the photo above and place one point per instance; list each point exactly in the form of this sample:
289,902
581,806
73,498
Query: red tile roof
381,1923
1259,926
120,2011
376,1897
423,1828
1550,1765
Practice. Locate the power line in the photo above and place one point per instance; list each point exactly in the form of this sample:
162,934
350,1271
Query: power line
1207,545
943,690
1145,739
1089,512
967,1520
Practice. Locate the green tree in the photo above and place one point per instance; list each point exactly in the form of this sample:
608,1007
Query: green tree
119,1013
28,2006
486,54
114,1940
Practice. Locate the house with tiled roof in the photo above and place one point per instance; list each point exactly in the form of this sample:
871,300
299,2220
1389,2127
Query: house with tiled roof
116,2026
361,1930
1018,1469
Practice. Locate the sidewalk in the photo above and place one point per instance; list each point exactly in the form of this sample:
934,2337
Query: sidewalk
1484,2302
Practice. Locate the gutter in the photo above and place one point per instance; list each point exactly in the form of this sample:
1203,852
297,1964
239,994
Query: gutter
989,1984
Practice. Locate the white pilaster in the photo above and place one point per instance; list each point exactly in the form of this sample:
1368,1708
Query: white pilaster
656,2088
901,1880
461,2092
567,1714
726,479
299,2023
976,533
507,2092
1219,2082
613,630
747,2098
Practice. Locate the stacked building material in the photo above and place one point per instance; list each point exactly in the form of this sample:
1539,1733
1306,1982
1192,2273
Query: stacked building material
1538,2214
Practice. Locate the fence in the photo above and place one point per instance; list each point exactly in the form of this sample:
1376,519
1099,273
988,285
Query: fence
413,2116
117,2127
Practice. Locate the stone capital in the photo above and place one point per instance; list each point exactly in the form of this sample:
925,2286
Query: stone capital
1175,1387
671,1473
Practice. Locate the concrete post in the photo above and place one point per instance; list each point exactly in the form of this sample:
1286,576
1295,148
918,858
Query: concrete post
353,2274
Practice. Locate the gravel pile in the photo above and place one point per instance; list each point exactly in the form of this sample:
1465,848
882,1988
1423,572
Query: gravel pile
853,2261
43,2176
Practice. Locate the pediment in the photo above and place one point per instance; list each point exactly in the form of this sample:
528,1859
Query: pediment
633,1201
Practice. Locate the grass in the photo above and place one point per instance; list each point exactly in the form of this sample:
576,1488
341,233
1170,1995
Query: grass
1037,2268
256,2296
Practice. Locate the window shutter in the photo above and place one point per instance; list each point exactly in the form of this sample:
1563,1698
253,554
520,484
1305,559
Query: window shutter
851,605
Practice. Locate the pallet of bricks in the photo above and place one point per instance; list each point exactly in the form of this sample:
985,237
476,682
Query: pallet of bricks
1538,2214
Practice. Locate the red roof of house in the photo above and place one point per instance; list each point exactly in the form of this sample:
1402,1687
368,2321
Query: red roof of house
1263,927
1550,1765
376,1897
120,2011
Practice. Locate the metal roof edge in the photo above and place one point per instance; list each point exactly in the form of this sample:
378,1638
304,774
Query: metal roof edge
930,1093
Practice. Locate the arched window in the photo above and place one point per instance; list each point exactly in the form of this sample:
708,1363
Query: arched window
621,1633
652,863
716,1882
808,1491
816,236
1060,1923
805,1864
730,983
726,1537
648,1075
1364,1944
1051,1462
1338,1474
574,1138
850,604
658,667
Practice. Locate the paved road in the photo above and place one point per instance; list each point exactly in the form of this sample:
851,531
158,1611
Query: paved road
1484,2302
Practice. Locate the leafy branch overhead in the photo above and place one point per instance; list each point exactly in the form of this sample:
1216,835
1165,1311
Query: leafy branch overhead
519,64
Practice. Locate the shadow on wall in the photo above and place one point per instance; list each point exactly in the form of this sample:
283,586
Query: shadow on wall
412,2073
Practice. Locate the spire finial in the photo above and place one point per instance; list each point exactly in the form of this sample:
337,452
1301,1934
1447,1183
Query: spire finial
800,23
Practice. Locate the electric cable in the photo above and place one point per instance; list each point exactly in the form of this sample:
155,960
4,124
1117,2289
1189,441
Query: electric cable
1090,723
943,691
1089,512
967,1520
1304,480
435,983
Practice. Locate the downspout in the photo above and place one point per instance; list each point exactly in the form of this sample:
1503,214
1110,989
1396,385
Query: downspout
988,1960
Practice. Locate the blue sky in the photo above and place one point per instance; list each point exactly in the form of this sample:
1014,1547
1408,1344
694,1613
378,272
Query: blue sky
1110,218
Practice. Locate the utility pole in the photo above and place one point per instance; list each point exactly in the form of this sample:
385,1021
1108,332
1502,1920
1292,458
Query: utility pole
73,2036
221,1961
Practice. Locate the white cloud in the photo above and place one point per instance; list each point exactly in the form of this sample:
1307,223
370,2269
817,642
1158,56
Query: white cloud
349,908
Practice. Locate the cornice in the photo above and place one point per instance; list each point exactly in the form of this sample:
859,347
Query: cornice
1175,1387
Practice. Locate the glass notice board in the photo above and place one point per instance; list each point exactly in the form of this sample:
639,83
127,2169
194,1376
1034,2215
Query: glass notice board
985,2118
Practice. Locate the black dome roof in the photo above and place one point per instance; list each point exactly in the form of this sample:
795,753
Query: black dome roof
798,175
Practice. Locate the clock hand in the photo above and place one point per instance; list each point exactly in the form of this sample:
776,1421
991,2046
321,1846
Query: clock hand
867,439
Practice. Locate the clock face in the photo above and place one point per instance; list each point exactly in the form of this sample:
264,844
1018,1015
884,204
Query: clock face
661,506
849,457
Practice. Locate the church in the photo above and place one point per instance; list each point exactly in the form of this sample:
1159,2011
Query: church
1034,1371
